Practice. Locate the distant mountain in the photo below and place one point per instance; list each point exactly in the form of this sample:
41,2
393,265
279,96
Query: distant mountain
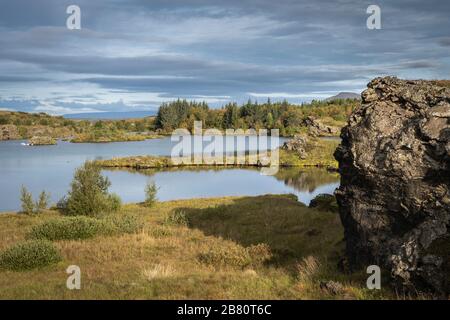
110,115
344,95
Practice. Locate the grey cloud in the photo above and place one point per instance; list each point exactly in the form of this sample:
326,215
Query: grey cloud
12,78
418,65
19,104
445,42
194,48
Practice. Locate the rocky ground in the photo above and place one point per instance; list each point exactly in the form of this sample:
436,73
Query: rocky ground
9,132
41,141
316,128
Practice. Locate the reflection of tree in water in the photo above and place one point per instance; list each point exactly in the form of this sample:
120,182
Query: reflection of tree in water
306,179
301,179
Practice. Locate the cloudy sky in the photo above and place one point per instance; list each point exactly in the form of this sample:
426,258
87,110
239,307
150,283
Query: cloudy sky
134,54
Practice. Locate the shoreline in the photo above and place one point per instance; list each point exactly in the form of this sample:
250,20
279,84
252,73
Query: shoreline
57,212
155,162
319,155
155,136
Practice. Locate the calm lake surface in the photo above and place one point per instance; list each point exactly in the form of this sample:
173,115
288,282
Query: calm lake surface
51,168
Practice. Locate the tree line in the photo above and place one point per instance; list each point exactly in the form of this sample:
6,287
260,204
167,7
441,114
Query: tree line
288,118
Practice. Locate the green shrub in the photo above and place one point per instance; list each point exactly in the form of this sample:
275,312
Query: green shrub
89,193
81,227
27,201
113,203
259,253
61,205
177,217
150,194
325,202
119,224
43,201
23,132
4,120
29,255
66,228
28,206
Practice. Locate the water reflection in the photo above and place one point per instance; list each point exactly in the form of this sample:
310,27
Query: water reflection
307,179
195,182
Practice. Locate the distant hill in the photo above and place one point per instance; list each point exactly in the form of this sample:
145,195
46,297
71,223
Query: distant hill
344,95
110,115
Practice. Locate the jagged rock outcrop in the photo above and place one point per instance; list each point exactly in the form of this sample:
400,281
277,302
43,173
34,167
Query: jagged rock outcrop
317,128
394,198
297,144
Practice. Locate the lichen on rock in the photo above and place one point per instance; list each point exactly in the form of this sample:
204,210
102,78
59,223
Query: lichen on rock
394,198
317,129
298,144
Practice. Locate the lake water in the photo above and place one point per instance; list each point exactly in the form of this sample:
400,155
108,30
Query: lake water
51,168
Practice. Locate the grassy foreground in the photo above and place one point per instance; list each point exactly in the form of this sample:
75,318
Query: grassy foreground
266,247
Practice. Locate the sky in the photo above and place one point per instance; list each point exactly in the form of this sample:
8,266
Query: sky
133,55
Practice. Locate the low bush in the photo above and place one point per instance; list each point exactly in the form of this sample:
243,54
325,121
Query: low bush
61,205
26,200
230,255
28,206
113,203
29,255
259,253
177,217
119,224
43,202
66,228
4,120
78,228
150,194
325,202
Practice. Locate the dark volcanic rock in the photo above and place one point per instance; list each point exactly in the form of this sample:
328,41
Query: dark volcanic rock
394,198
